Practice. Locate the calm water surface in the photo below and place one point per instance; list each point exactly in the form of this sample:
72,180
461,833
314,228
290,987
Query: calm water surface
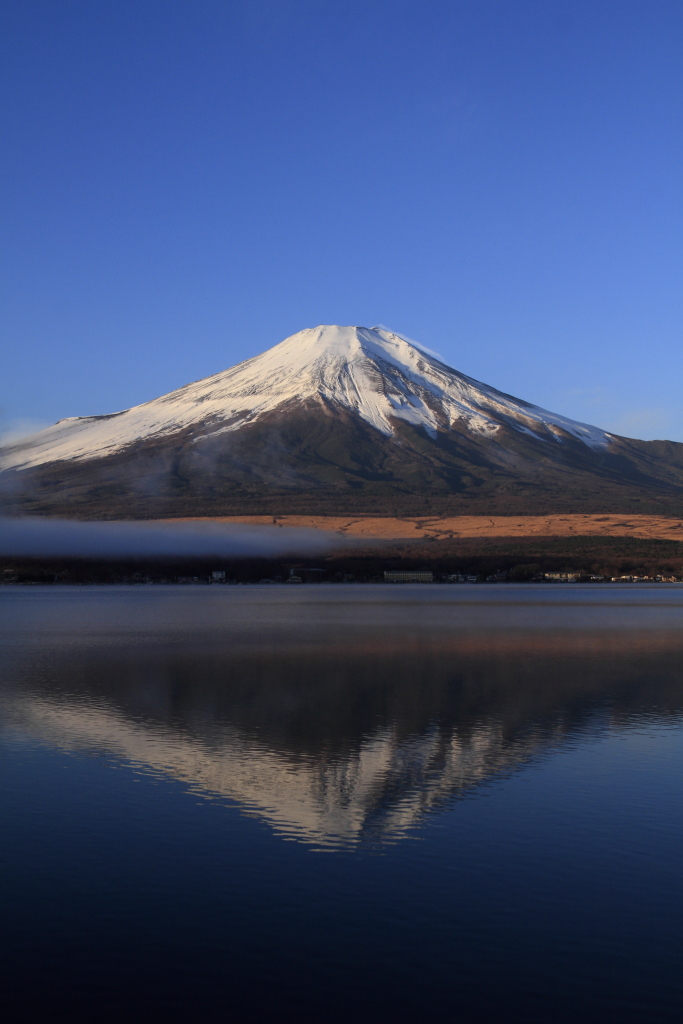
342,803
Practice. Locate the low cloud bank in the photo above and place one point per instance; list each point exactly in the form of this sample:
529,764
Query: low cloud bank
29,537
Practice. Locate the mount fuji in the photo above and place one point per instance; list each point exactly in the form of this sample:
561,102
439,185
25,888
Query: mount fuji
336,419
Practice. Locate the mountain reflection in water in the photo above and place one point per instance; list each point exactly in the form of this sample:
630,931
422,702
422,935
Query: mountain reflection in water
340,717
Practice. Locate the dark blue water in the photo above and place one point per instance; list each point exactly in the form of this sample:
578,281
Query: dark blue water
342,803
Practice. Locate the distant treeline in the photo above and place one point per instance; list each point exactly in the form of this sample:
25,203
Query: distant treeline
521,558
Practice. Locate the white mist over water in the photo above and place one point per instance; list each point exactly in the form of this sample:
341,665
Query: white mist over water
36,537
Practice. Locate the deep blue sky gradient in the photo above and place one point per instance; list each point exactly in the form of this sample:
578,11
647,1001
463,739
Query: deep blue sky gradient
187,183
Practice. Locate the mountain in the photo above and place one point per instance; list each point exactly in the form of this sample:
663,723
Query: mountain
336,419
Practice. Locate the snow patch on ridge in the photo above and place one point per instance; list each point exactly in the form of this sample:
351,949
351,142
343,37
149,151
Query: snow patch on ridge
374,373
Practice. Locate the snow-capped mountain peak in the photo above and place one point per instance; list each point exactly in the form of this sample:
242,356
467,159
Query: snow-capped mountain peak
371,372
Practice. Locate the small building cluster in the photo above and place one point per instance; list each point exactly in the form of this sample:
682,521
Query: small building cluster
408,577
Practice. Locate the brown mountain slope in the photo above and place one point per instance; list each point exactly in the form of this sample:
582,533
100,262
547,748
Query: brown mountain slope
318,459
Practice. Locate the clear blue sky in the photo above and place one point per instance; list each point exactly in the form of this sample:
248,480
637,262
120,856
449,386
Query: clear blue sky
187,182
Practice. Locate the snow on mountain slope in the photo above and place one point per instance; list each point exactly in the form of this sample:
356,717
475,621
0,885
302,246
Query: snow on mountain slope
371,372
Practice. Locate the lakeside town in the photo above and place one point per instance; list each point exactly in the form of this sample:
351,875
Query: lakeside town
313,575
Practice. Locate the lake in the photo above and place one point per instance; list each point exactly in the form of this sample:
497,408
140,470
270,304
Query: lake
337,803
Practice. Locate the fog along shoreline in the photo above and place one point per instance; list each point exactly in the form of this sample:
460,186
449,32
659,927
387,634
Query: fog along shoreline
52,551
